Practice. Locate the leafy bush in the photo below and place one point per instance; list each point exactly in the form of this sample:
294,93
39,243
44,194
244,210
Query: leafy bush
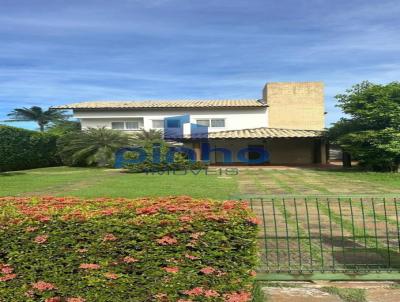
93,146
165,249
370,132
178,162
23,149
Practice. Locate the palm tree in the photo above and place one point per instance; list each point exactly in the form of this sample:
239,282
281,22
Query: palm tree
149,135
93,146
38,115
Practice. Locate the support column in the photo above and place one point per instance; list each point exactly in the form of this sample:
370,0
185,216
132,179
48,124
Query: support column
324,148
197,150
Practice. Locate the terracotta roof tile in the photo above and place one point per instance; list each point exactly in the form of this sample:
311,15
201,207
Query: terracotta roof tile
263,132
163,104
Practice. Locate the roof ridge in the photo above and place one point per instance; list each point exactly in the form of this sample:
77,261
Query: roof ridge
184,103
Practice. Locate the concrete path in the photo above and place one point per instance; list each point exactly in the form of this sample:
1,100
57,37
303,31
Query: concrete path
315,292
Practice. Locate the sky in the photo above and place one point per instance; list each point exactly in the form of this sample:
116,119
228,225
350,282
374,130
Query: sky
57,52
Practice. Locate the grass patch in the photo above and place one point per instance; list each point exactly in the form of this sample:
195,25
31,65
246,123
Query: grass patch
96,182
347,294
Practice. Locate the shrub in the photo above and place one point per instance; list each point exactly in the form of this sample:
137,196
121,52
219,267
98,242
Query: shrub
91,147
178,162
165,249
23,149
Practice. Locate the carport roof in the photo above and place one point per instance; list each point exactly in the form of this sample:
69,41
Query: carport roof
263,132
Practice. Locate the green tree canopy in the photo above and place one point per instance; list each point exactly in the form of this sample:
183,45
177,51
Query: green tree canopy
63,127
371,130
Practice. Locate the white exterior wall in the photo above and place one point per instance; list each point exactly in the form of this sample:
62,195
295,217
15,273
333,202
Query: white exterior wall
235,118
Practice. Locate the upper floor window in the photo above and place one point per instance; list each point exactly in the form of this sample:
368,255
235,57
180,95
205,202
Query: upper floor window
173,123
203,123
158,124
127,125
213,123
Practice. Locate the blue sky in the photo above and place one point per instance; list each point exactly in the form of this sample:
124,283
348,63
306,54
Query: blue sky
55,52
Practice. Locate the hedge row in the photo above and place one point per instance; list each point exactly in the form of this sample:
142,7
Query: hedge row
165,249
23,149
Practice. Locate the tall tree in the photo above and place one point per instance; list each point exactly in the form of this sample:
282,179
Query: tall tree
371,130
38,115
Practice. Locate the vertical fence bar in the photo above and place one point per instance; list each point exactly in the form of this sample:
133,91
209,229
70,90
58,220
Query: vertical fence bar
287,231
397,223
309,233
298,234
331,232
265,230
352,225
320,234
375,228
387,233
276,234
341,228
364,227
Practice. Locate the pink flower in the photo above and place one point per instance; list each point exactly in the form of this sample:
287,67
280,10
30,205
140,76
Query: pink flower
237,297
254,221
77,299
109,237
89,266
147,210
211,293
252,273
167,240
8,277
129,259
41,239
186,219
111,276
43,286
53,299
197,291
82,251
229,204
171,269
208,270
43,218
191,257
6,269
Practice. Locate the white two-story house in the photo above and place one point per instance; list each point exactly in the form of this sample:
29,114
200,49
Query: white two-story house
287,122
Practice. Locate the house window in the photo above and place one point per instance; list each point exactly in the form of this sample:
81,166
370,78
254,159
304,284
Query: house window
118,125
127,125
131,125
217,123
158,124
173,123
213,123
203,123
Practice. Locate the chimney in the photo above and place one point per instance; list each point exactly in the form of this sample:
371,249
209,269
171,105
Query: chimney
297,105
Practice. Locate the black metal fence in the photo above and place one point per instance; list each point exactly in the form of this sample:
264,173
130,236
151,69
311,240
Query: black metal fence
328,238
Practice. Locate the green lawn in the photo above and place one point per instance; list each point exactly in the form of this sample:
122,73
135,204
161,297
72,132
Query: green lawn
96,182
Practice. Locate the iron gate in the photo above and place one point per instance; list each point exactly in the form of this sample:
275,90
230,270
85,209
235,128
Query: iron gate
328,238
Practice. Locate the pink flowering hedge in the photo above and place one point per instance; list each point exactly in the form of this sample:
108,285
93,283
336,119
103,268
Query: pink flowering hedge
165,249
